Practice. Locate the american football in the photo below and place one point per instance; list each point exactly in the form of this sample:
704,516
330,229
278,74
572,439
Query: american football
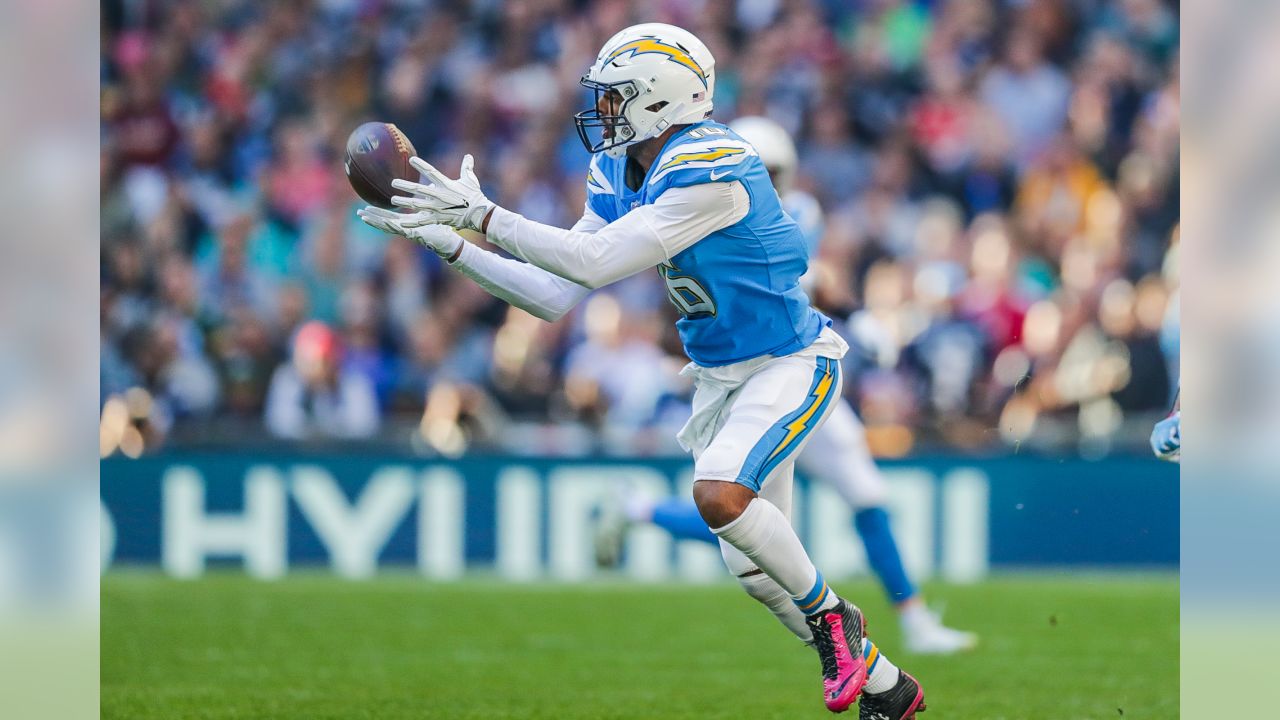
377,153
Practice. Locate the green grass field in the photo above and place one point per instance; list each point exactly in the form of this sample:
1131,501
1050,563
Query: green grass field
313,647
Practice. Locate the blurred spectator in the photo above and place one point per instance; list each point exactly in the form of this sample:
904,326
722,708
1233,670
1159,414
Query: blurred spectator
1028,94
837,168
315,395
229,278
618,372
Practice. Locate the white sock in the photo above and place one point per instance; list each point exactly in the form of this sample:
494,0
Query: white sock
771,595
882,675
764,535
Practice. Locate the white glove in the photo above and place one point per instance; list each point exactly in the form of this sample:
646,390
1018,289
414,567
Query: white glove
1166,438
457,203
441,240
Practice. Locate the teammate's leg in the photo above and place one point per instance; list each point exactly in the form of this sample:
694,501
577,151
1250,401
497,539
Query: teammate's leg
838,456
680,518
872,525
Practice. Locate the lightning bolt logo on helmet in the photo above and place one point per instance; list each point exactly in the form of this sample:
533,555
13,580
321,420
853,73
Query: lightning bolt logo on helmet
647,45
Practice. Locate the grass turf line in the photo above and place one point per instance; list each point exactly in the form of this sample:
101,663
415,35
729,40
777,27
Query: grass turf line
315,647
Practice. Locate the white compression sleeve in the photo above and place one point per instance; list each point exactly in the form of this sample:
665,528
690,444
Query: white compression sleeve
764,535
637,241
544,295
528,287
589,222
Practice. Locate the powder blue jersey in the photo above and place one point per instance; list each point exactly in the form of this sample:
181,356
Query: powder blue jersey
738,288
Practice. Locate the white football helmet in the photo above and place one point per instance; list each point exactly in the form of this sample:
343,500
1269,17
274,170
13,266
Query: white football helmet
663,76
773,143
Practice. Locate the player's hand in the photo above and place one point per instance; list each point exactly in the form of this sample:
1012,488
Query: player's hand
457,203
441,240
1166,438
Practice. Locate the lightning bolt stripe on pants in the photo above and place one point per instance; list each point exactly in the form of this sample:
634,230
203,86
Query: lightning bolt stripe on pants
780,441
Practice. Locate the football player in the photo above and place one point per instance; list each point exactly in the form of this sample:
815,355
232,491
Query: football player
836,455
669,188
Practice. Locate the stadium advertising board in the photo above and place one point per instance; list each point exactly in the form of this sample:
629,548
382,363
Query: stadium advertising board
527,519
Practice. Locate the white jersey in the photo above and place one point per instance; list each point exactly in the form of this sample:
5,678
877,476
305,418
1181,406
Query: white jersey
805,210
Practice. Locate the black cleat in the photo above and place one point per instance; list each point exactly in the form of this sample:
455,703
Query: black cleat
900,703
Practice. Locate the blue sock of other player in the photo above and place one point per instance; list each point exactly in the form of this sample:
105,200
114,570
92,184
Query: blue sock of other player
882,554
682,520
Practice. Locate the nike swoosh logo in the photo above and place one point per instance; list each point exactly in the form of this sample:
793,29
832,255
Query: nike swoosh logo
836,693
714,176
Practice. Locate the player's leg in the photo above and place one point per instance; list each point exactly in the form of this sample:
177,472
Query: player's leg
771,416
762,551
754,580
838,456
844,622
681,519
887,689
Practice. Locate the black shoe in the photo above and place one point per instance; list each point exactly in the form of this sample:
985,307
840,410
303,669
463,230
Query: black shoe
901,703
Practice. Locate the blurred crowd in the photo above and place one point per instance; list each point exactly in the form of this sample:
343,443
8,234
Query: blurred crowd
1000,182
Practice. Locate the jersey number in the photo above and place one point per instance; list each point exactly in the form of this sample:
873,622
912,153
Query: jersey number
705,132
687,294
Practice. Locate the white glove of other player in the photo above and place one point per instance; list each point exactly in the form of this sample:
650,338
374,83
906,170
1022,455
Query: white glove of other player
456,203
1166,438
439,239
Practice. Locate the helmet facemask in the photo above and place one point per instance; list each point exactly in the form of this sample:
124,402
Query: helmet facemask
614,129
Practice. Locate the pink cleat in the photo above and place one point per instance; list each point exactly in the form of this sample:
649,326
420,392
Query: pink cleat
837,636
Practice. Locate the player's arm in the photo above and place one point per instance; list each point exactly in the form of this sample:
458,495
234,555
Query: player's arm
639,240
540,293
536,291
